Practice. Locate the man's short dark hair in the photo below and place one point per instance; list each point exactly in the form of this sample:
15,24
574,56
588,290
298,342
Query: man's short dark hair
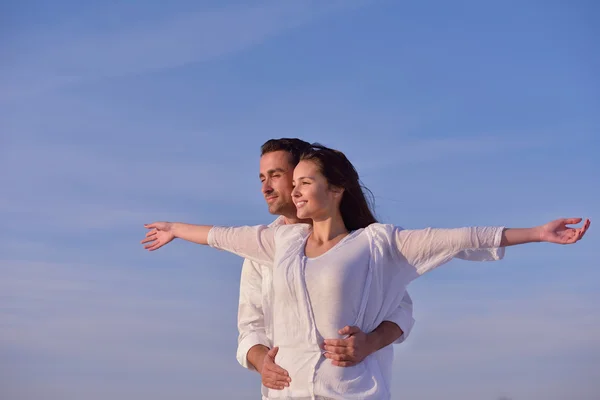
295,148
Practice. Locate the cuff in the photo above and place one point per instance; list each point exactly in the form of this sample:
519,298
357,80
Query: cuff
210,239
247,343
404,321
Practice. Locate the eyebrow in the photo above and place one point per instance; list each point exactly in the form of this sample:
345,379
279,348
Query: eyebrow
305,177
271,172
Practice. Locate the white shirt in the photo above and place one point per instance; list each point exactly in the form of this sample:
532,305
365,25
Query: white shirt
394,258
255,303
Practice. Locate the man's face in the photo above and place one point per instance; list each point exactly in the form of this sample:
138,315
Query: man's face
276,174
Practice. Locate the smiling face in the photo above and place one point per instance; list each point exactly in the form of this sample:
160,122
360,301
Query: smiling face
313,196
276,178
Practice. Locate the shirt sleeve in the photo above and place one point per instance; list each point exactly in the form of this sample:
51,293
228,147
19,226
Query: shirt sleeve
403,317
426,249
251,318
256,243
491,254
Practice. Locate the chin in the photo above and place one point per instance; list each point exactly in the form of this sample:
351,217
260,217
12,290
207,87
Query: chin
275,209
302,214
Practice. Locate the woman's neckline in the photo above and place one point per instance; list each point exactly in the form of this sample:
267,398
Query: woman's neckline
334,247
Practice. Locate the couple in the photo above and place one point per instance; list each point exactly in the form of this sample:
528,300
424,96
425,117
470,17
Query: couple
336,267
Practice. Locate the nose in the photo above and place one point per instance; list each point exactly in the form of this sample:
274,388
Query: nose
266,187
296,192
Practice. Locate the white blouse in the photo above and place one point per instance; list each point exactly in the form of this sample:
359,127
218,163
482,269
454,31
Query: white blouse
255,304
358,282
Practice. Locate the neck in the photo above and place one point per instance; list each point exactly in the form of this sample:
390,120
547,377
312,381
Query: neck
328,228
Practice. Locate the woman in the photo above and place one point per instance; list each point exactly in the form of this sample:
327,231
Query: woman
345,269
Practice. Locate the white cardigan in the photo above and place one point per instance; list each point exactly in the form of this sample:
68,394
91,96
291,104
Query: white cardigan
396,257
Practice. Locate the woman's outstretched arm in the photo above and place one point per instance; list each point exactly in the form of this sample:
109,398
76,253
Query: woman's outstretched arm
161,233
256,243
556,231
429,248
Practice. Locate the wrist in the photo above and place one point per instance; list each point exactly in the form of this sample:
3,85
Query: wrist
373,342
537,234
175,229
256,357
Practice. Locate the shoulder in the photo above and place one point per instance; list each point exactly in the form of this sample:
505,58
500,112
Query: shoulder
378,230
288,232
279,221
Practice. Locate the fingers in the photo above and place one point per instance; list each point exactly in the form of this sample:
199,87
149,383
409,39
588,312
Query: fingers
576,234
581,231
340,356
275,386
275,381
273,352
153,247
272,366
344,363
150,226
275,369
278,372
149,239
336,342
151,233
153,244
338,349
585,227
273,376
571,220
349,330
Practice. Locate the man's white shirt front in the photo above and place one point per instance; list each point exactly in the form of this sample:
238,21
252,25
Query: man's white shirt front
253,326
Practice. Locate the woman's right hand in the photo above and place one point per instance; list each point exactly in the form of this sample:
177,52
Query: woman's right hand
160,233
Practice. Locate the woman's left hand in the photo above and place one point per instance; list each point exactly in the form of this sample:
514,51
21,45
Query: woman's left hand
557,231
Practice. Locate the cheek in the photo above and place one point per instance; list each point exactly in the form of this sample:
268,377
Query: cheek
317,197
283,188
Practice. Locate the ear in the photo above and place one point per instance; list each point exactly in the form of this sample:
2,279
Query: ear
337,191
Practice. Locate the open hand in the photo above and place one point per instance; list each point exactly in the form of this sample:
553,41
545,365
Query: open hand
273,376
160,234
349,351
557,231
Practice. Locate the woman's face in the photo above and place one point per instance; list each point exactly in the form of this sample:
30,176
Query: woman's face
313,196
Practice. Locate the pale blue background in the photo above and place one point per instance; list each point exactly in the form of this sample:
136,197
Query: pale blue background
455,113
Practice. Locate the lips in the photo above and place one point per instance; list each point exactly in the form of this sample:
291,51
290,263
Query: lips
301,204
271,198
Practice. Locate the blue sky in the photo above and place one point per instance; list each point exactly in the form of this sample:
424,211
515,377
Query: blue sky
455,113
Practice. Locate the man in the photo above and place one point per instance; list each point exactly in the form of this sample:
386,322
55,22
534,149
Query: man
278,160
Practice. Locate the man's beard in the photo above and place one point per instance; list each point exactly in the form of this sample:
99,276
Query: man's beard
280,207
276,208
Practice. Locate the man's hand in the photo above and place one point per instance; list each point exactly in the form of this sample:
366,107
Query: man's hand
351,350
273,376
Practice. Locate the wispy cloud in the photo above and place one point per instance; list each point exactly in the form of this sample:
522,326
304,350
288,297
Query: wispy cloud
45,60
